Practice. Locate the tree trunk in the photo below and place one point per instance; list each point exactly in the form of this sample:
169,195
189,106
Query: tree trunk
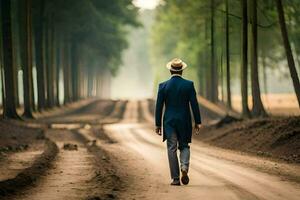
67,74
1,69
201,75
58,67
70,78
99,83
2,74
288,50
258,108
264,65
2,88
74,67
90,81
207,69
228,88
214,72
40,56
50,95
202,70
16,47
27,64
244,68
53,49
8,62
221,76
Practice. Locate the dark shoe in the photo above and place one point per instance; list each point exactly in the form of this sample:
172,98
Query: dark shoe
175,182
185,178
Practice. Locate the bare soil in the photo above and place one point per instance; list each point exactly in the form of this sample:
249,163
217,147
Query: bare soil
15,138
21,148
31,169
91,113
112,152
268,137
215,173
29,175
80,174
273,137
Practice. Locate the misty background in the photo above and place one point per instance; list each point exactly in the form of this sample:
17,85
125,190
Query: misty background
139,74
135,77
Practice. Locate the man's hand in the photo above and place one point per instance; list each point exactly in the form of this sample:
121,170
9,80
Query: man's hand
158,130
198,128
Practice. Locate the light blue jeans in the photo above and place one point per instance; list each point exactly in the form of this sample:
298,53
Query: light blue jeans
172,145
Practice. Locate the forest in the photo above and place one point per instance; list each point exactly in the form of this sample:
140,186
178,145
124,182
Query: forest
79,81
230,43
64,50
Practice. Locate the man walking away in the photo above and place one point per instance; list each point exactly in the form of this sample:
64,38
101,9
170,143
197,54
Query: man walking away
177,95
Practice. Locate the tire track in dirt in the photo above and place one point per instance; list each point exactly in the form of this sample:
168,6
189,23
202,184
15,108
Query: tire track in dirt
142,156
69,176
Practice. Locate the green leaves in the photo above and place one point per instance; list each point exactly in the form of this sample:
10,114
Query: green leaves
97,27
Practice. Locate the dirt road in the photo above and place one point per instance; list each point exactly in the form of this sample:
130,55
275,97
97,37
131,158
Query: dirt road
143,163
79,170
128,161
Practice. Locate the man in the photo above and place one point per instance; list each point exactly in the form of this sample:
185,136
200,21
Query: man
177,94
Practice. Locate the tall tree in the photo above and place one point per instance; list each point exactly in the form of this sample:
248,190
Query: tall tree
228,88
75,71
1,67
244,67
96,27
49,61
8,61
27,65
288,50
258,108
214,71
40,52
67,74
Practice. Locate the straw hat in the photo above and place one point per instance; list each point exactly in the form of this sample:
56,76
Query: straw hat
176,64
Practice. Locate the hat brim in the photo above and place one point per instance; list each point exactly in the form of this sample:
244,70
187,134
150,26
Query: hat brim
169,66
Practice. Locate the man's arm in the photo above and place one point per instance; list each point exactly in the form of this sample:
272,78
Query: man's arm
159,106
194,105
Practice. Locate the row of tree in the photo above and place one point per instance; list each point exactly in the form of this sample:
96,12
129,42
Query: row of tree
221,37
80,41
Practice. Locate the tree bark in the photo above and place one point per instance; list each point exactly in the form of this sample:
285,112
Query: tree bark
90,81
2,73
67,74
99,83
48,48
244,68
74,67
40,56
214,72
58,67
264,65
2,88
288,50
70,78
53,49
258,108
207,70
228,88
1,69
8,62
16,47
27,64
202,74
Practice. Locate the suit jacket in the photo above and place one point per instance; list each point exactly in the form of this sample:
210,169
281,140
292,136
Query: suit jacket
177,94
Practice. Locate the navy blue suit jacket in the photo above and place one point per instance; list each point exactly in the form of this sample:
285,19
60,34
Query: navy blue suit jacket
177,94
